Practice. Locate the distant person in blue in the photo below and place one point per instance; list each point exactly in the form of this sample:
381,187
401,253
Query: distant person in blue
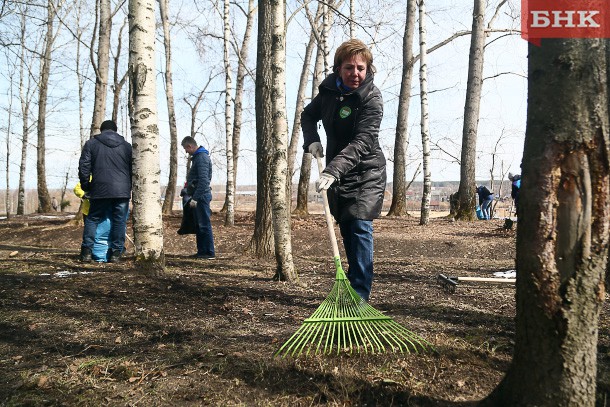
485,200
515,180
105,171
198,187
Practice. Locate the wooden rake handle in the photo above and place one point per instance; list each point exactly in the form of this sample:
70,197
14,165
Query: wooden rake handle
329,220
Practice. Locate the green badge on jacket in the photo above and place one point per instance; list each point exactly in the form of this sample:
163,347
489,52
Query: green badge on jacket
344,112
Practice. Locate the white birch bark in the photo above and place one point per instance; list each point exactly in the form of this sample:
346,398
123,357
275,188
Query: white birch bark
425,132
242,71
147,222
171,111
7,202
25,96
280,205
230,190
352,28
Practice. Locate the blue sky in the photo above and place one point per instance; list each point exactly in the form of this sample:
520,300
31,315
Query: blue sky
503,107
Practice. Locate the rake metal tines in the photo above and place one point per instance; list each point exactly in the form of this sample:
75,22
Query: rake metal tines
344,321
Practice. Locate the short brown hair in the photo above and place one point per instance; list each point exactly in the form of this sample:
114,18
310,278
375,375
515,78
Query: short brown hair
351,48
189,141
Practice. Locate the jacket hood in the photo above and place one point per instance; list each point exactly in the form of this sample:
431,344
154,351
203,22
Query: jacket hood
110,138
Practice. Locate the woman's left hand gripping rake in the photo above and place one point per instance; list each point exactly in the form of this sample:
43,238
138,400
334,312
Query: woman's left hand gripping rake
344,321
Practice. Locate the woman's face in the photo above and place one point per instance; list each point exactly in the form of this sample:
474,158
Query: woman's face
353,71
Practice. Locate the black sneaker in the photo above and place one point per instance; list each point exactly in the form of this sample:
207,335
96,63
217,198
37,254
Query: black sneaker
85,255
115,256
203,256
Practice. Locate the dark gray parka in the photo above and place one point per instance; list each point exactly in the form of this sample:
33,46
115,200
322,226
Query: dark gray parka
353,155
106,159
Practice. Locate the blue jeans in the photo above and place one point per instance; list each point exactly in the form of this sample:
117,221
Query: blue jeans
485,208
117,209
358,242
205,238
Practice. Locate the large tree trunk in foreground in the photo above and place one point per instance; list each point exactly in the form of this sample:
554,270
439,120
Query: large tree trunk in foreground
147,222
562,235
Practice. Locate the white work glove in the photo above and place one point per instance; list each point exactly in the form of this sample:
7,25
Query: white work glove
192,203
315,149
324,182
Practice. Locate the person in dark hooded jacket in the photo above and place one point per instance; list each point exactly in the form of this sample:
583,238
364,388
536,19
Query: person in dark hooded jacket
350,107
198,186
104,171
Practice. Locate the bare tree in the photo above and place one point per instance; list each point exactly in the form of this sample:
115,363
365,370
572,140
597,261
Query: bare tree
170,191
300,104
147,221
280,203
562,238
425,132
44,199
230,190
118,80
102,66
262,240
9,129
240,80
321,66
26,94
466,198
398,206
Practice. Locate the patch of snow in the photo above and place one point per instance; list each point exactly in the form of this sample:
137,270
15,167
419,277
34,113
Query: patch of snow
506,274
66,273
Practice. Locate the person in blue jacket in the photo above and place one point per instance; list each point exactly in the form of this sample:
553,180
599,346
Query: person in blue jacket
486,197
515,185
198,187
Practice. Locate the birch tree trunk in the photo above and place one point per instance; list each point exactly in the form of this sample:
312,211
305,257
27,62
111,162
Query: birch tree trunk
425,132
300,104
7,200
262,242
170,191
467,189
242,71
118,81
285,269
318,76
147,222
398,206
562,238
102,67
80,79
25,97
44,200
230,191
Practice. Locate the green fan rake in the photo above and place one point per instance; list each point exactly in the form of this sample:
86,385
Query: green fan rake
344,321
